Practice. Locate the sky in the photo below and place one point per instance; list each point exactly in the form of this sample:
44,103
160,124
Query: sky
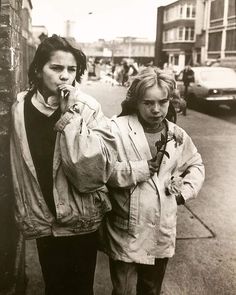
94,19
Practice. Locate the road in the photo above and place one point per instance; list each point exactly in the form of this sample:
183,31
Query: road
205,260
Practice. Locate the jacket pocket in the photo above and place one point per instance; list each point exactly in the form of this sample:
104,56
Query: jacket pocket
101,202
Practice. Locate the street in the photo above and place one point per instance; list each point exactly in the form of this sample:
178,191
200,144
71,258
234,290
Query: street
205,260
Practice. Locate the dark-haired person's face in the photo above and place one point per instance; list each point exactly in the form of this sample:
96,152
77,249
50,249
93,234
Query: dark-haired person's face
60,69
153,106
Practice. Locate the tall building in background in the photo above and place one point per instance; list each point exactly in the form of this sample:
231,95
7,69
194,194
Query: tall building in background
176,33
69,29
196,32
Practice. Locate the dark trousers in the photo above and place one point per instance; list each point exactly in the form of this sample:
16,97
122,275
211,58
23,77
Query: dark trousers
186,98
147,278
68,264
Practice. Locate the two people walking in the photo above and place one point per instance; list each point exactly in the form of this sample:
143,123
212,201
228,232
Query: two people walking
75,173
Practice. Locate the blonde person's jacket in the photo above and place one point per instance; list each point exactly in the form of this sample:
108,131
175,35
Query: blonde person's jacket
142,223
84,154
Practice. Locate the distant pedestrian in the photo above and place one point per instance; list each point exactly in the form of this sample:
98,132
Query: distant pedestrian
188,77
158,168
125,73
62,153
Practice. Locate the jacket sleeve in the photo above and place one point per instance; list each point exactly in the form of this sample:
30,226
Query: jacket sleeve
128,173
192,170
87,147
16,172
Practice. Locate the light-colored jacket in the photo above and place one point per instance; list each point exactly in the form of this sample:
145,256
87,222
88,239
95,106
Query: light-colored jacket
142,223
84,154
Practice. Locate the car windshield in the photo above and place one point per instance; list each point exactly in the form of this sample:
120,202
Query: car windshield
218,75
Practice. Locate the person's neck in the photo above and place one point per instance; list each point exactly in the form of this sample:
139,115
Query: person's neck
150,128
45,92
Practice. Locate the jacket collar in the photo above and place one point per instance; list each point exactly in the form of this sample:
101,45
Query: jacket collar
139,140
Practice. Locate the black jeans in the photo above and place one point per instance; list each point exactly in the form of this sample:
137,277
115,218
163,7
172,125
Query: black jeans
186,86
68,264
147,278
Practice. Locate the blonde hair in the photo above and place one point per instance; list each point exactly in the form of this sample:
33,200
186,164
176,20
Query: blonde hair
145,79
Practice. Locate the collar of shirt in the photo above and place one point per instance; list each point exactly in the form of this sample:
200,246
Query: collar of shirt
47,108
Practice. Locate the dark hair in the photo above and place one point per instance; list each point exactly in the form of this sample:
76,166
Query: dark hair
144,80
43,55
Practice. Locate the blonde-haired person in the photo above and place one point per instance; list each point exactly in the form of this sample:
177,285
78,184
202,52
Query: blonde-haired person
158,168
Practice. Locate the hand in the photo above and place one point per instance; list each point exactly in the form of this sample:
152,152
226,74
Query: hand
67,96
179,199
153,166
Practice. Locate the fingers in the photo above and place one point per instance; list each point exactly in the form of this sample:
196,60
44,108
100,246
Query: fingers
66,93
65,90
152,171
66,87
153,167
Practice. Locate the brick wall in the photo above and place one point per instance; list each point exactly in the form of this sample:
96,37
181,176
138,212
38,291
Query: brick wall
11,242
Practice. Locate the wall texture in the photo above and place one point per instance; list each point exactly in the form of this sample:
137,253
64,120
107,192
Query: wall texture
11,243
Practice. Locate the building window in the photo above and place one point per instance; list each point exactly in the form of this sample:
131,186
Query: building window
188,12
176,60
231,40
192,34
181,33
217,9
232,8
165,36
189,34
193,12
181,10
166,16
215,41
172,13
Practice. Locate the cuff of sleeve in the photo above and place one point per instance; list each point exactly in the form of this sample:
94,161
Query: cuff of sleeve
141,170
63,121
187,193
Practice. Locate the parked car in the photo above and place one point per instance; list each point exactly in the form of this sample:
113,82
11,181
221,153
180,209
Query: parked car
212,85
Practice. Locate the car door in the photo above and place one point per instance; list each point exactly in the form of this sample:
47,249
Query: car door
196,88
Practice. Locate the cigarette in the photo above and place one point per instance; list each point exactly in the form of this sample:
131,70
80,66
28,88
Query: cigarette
62,94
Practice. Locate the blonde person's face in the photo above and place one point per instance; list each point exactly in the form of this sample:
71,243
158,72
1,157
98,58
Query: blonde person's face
60,69
153,106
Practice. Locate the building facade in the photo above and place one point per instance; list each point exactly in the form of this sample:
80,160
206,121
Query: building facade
141,50
175,36
196,33
221,29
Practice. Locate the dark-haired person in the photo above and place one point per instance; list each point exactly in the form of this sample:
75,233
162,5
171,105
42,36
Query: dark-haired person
188,77
62,154
158,168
